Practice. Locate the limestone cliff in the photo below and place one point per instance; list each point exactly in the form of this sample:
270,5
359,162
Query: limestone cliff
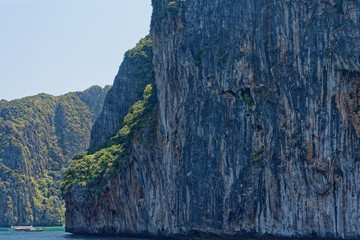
134,74
258,125
38,137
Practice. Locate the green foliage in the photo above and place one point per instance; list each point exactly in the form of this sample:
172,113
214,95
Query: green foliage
91,169
257,154
38,137
142,56
357,109
261,89
143,48
198,57
173,7
248,99
339,6
172,10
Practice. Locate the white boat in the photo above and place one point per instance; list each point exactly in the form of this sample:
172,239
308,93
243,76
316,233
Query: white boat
20,228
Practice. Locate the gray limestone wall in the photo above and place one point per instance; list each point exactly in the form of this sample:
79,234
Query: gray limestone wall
259,125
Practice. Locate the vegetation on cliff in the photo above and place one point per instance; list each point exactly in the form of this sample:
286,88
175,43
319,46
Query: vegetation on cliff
135,73
259,128
141,56
91,168
38,137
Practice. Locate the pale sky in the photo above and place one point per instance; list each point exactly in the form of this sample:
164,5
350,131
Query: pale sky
58,46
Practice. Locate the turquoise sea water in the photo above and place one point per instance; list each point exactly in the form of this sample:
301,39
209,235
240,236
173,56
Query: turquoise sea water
49,233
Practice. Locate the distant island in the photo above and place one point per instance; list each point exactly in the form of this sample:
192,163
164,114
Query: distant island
39,135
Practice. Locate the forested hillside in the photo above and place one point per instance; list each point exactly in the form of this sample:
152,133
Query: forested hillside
38,137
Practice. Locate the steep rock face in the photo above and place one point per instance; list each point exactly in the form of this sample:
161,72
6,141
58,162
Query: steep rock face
258,101
95,204
38,137
259,107
135,72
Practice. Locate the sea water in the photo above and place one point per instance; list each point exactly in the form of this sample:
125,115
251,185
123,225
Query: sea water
57,233
49,233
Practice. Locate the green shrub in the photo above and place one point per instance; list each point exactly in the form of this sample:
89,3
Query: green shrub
172,10
339,6
257,154
357,109
173,7
141,56
90,169
248,99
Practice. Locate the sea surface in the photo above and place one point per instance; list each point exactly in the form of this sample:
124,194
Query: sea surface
57,233
49,233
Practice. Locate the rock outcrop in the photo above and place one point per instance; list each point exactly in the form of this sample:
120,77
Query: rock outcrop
39,135
134,74
258,125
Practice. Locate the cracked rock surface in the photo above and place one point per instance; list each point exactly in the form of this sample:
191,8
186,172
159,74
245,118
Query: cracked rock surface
258,127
